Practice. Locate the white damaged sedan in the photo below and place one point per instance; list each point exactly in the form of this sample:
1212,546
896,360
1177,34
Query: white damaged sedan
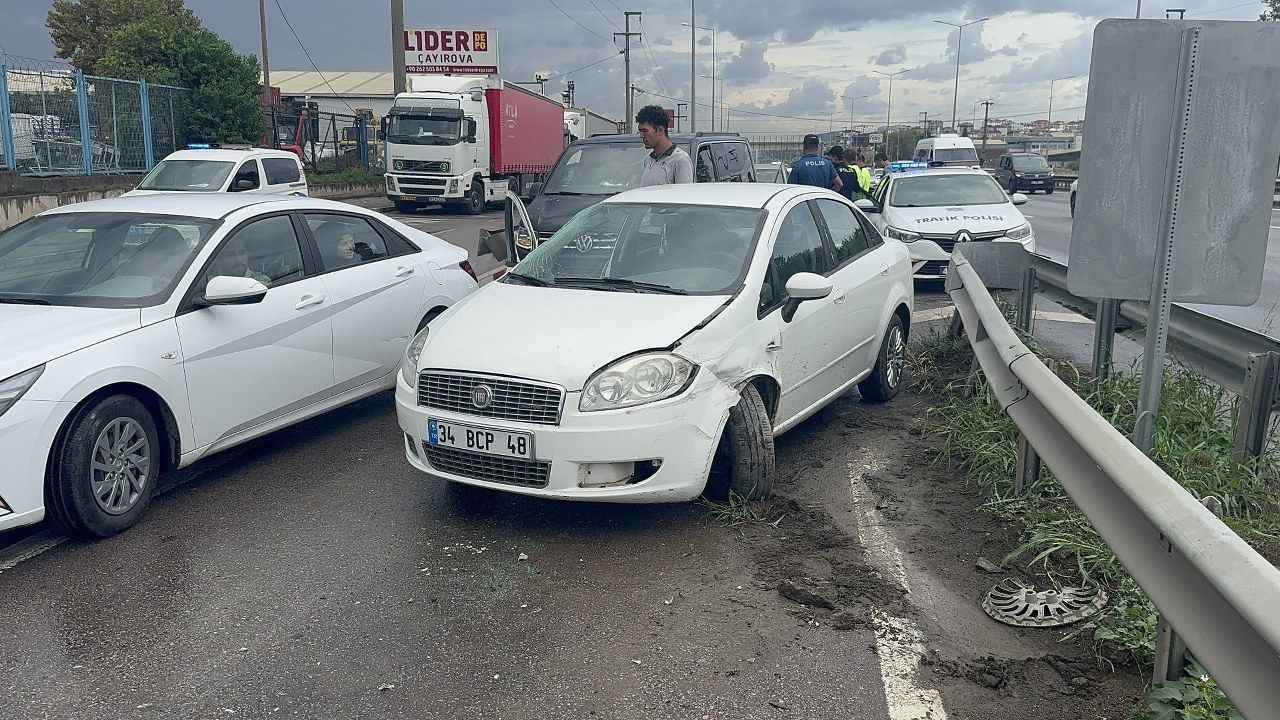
656,345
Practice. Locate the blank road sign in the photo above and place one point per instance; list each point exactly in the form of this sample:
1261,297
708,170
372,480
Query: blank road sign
1223,171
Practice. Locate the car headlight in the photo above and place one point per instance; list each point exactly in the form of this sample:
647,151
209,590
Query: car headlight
409,363
1022,232
905,236
1017,174
637,380
16,386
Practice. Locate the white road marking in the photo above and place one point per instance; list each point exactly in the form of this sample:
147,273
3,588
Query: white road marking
24,550
899,645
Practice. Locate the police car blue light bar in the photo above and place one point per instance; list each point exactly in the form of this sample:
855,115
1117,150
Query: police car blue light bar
198,146
900,165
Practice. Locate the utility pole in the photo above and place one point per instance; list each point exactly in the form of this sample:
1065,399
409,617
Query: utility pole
693,69
398,81
266,66
959,44
570,90
986,114
626,60
924,121
680,114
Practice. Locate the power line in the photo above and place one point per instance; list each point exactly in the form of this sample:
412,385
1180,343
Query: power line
653,61
313,62
584,67
1233,7
615,6
606,17
575,21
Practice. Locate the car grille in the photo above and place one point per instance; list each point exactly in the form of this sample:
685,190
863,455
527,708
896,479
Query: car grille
933,267
948,242
490,468
518,400
421,166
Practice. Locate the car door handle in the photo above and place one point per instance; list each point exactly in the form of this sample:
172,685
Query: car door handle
773,345
308,301
404,271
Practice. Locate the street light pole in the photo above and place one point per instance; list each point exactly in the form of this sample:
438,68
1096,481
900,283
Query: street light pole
851,99
959,44
693,69
1051,82
692,28
888,113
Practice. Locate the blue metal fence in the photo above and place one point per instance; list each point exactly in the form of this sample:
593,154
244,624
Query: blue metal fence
63,122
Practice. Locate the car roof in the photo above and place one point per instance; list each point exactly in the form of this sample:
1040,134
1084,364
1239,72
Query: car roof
727,194
227,155
938,171
677,138
191,204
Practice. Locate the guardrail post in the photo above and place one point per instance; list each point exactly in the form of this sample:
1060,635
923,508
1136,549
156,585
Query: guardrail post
1171,651
1258,397
82,107
1027,301
1104,335
144,104
1027,471
6,121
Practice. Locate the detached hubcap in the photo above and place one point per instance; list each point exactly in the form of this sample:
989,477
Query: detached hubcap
119,465
896,357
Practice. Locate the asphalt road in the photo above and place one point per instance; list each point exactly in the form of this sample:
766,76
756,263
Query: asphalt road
314,574
1050,216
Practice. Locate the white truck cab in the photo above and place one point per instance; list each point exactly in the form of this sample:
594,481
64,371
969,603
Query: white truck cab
205,168
947,149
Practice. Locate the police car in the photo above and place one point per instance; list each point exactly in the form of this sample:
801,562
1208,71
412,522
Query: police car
932,209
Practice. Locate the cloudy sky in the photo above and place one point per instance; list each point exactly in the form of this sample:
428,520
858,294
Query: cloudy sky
793,58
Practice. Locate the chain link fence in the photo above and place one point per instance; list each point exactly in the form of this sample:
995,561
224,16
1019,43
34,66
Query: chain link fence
327,141
57,121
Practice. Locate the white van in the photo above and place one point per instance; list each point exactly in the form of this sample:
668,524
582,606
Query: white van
249,170
947,149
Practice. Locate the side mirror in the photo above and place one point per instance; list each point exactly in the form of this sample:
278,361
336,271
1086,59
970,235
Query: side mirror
866,206
535,189
382,134
1018,199
241,185
801,287
228,290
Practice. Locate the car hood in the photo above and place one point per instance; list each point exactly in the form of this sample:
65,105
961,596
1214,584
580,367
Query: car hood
951,220
35,334
557,335
549,213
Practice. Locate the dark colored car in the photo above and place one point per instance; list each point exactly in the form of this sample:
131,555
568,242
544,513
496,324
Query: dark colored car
1029,172
595,168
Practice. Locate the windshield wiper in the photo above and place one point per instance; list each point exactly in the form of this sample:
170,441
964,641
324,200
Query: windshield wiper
526,279
23,301
621,283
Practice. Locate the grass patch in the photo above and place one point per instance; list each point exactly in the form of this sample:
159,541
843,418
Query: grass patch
1194,444
738,510
349,176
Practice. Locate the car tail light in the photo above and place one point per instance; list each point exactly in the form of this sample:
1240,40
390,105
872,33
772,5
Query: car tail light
466,267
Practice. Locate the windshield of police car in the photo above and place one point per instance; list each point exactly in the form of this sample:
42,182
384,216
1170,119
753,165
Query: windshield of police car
187,176
597,169
680,249
935,190
98,259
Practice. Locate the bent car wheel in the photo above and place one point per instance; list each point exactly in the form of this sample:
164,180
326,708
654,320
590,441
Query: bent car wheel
105,471
743,463
885,379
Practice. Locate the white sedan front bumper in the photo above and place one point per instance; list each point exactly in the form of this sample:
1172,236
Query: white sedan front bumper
27,432
660,452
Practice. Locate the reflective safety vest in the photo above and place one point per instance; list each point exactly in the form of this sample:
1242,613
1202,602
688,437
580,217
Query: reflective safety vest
864,177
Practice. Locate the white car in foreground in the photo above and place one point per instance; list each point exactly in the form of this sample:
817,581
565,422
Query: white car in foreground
722,315
141,334
932,210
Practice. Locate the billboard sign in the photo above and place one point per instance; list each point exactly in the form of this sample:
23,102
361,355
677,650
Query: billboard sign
450,51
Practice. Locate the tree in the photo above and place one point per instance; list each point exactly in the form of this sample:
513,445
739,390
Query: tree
223,105
1272,12
82,29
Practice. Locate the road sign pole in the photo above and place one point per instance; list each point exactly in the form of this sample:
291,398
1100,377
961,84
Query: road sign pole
1158,325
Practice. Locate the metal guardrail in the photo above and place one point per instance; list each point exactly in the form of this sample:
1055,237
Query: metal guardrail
1239,359
1217,592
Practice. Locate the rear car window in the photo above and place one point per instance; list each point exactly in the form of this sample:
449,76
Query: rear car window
281,171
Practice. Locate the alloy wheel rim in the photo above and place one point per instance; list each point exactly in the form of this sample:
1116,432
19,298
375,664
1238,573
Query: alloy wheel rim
896,356
118,466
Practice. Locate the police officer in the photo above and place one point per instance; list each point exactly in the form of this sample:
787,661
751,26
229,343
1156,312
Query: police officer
848,177
861,177
813,169
667,164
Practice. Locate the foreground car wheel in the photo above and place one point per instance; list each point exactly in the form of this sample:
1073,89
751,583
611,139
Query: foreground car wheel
105,471
743,464
885,379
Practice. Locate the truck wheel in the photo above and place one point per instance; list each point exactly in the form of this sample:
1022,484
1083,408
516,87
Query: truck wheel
475,199
885,379
744,461
1073,204
404,207
105,471
1048,191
